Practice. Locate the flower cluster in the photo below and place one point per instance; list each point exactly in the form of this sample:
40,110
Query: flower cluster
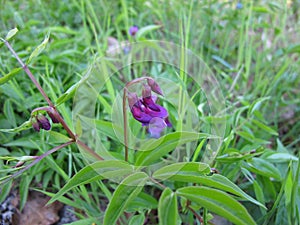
39,121
146,111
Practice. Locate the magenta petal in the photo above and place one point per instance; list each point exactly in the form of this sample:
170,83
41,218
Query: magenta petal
148,101
169,124
156,127
139,115
161,113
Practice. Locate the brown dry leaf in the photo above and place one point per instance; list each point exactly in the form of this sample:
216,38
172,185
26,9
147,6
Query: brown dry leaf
36,212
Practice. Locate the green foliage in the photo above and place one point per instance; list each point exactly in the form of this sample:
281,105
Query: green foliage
253,51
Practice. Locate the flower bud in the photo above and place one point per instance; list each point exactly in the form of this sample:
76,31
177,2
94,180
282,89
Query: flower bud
35,124
43,121
52,114
132,99
154,86
146,92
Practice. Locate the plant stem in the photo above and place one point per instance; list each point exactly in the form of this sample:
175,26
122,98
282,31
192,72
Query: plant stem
87,148
38,159
26,69
57,115
125,124
199,218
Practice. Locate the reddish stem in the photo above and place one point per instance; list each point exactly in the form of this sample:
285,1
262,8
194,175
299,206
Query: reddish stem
25,68
125,124
38,159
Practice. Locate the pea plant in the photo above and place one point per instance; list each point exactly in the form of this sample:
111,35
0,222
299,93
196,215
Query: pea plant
139,183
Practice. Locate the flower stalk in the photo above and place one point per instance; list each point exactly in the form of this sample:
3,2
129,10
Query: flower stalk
40,121
144,109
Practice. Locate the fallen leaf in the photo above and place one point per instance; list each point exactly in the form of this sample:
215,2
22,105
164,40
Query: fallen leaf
36,212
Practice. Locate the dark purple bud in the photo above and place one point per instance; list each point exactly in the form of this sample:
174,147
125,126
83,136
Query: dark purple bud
35,124
133,30
132,99
43,121
154,86
53,115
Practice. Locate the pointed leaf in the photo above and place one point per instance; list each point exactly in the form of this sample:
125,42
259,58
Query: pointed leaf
216,181
130,187
218,202
262,167
144,30
96,171
182,168
154,149
25,126
11,33
56,137
68,94
137,220
38,49
10,75
168,208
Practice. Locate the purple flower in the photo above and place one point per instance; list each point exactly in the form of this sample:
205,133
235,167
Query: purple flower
133,30
146,111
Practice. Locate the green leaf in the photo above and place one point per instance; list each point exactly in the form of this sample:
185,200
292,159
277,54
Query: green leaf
154,149
218,202
141,203
182,168
259,195
281,157
256,105
9,113
144,30
11,33
24,188
38,49
264,127
106,128
68,94
222,61
10,75
216,181
91,220
262,167
168,208
61,199
130,187
25,126
137,220
96,171
56,137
